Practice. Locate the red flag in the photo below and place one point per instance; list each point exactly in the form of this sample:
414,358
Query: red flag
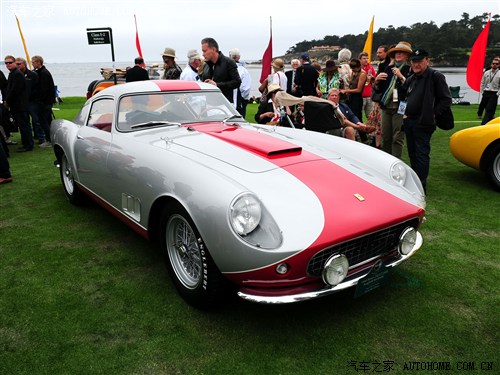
137,43
476,59
267,58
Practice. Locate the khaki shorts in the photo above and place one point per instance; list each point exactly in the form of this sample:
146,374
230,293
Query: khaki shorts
337,132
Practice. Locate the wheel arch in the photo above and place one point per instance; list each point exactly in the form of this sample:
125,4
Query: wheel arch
488,153
154,220
58,151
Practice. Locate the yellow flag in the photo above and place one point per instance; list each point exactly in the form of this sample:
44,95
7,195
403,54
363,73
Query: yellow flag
369,41
24,44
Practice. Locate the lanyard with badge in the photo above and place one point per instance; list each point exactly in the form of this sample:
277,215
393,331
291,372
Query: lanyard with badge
492,77
404,103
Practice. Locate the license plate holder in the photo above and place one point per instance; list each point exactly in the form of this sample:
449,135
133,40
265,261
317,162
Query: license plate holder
378,276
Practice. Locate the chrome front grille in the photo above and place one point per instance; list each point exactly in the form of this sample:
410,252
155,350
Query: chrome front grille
362,248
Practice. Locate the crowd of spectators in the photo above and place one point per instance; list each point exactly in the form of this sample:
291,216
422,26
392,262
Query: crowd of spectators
26,99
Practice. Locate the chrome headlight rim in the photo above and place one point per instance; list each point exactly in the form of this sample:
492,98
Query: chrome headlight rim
245,213
335,269
407,241
264,233
406,177
399,172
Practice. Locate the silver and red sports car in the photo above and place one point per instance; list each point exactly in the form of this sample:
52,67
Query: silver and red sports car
273,214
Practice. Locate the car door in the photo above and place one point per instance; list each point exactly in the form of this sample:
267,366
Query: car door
92,146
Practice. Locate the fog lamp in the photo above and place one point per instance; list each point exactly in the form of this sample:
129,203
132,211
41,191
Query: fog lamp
407,241
335,269
282,268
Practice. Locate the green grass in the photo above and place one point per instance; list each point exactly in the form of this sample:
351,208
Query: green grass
82,294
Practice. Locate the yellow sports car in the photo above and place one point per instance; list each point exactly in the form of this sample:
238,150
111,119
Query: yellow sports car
479,148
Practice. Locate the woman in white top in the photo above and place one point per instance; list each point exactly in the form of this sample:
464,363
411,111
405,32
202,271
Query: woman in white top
278,77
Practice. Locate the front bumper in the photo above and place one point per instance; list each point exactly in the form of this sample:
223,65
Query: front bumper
253,295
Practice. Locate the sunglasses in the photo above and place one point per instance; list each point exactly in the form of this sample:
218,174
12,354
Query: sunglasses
9,62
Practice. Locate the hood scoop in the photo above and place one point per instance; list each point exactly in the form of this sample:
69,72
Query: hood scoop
251,140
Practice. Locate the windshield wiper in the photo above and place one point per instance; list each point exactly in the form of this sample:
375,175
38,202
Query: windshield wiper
155,123
230,118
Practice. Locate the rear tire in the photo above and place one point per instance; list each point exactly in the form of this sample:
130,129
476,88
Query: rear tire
188,260
493,167
71,190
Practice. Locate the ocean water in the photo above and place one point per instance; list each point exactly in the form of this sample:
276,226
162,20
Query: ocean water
73,79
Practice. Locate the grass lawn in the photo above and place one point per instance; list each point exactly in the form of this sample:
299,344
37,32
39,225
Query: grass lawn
82,294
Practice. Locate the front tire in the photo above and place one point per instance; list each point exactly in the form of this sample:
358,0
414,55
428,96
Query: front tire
71,191
493,168
189,263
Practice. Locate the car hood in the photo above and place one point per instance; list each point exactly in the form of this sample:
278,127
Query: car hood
250,148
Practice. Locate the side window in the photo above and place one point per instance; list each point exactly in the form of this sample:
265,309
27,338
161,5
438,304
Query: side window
82,115
101,115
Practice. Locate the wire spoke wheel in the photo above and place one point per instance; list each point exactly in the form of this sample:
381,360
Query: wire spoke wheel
67,176
184,252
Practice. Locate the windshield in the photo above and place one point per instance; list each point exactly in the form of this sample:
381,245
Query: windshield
141,110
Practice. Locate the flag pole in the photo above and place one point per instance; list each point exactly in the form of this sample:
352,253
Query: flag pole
28,60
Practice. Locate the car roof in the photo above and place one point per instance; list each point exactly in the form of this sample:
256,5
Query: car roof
156,86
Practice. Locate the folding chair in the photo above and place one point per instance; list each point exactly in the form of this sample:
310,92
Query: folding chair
456,95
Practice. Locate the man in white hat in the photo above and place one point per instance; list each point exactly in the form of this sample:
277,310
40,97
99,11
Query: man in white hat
190,72
241,95
171,69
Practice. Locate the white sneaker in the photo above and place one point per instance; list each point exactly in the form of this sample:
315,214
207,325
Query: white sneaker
46,144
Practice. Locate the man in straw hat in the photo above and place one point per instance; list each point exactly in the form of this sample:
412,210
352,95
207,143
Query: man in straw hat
269,109
388,83
172,70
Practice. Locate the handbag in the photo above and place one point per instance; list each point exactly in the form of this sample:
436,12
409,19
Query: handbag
376,96
445,120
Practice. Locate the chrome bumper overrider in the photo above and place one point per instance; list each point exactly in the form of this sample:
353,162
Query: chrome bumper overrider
326,290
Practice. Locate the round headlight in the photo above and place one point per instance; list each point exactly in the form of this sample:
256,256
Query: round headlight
335,269
398,173
407,241
246,212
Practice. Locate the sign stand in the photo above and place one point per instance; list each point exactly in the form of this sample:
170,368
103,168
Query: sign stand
103,35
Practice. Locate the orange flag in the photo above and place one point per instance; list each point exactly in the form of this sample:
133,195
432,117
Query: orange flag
369,41
477,57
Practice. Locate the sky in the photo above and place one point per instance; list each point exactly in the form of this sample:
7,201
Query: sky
57,30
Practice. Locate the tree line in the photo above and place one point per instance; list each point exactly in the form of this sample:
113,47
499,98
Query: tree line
449,45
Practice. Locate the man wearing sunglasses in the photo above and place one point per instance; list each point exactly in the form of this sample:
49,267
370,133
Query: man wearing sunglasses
490,88
16,100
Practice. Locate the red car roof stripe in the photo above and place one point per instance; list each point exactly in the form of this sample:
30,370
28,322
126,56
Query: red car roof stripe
176,85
